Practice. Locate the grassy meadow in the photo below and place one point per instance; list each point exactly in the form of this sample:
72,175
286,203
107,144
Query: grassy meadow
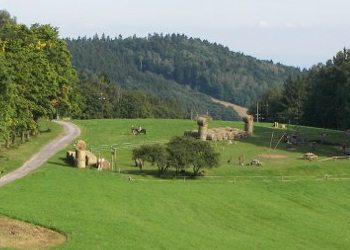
287,203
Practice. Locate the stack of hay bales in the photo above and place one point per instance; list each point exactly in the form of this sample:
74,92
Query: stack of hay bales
203,128
248,124
214,134
227,133
81,157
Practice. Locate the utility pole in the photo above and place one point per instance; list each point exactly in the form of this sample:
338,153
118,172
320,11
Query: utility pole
102,99
257,111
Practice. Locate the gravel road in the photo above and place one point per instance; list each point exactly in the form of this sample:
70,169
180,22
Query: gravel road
71,131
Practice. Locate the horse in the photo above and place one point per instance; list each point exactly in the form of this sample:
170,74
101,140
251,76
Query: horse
136,131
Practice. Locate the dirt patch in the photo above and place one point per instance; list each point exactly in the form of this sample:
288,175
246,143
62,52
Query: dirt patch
273,156
20,235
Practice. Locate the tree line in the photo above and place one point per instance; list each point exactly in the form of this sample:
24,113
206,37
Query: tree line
100,98
319,98
36,75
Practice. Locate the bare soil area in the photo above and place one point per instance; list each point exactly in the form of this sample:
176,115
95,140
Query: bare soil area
21,235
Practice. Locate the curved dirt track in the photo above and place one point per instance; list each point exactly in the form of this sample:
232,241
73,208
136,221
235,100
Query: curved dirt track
71,131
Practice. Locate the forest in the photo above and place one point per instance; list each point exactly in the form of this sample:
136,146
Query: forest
177,67
320,98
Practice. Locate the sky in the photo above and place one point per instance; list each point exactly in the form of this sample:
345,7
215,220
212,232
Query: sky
299,33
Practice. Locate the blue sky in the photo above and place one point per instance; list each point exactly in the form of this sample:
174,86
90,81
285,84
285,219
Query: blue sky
293,32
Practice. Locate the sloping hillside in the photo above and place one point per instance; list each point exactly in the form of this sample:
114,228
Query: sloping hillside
241,111
164,64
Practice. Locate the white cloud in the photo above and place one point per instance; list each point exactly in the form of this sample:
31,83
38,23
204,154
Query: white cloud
264,24
297,25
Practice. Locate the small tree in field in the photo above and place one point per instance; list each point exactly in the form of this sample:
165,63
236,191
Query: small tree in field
185,152
155,154
204,156
180,153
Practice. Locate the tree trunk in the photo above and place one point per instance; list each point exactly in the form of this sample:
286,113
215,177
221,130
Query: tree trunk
13,140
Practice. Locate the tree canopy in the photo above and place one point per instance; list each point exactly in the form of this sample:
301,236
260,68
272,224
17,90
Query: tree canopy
36,75
177,67
179,153
320,98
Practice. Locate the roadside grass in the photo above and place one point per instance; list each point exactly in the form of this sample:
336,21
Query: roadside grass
231,207
14,157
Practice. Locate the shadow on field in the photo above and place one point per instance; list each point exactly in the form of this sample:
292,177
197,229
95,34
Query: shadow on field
62,162
322,142
170,174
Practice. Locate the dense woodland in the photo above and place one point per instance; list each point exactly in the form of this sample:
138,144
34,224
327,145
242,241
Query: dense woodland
180,68
320,98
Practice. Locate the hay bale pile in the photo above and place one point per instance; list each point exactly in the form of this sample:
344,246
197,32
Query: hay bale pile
219,134
214,134
309,156
227,133
82,158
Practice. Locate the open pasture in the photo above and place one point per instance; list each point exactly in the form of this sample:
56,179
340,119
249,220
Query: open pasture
287,203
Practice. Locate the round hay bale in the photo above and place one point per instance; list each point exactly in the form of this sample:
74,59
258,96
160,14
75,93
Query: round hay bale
80,160
105,165
80,145
202,121
202,132
209,136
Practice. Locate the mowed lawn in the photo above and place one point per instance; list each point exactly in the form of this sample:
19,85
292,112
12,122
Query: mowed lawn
233,207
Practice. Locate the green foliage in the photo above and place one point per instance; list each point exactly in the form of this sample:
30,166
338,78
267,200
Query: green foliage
5,18
328,103
155,154
99,97
177,67
319,98
180,153
36,76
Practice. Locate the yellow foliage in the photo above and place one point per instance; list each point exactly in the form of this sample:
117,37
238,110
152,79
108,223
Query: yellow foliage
40,45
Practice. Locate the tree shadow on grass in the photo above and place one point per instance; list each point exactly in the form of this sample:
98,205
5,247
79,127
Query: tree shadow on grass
303,139
62,161
170,174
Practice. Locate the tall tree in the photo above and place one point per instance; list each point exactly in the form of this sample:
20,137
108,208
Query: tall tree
6,18
293,98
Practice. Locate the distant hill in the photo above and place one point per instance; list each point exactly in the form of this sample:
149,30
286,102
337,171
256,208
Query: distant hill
187,69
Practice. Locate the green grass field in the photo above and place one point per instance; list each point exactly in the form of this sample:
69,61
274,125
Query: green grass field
232,207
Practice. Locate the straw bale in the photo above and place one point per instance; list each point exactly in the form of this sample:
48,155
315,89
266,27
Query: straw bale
91,158
80,145
202,121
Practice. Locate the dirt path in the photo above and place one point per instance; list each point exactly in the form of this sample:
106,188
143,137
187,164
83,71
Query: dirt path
71,131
